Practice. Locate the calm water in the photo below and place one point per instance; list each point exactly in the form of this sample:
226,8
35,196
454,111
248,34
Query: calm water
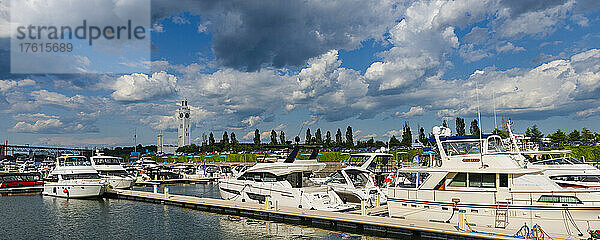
42,217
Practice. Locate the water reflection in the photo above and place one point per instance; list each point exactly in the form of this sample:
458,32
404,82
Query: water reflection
36,216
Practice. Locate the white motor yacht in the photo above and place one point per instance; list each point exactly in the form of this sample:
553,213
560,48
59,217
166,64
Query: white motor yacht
74,177
558,165
486,186
355,183
110,169
284,183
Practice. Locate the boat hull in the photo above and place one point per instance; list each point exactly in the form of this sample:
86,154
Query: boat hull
552,219
241,191
74,190
119,182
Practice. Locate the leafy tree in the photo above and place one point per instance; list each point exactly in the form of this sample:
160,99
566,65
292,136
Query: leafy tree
406,135
308,136
256,137
574,136
273,137
371,142
460,126
282,137
474,129
596,136
188,149
501,133
422,138
534,134
349,137
328,138
558,136
318,137
338,137
394,141
587,135
234,140
225,138
211,139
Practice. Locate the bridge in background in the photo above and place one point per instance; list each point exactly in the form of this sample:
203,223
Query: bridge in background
6,150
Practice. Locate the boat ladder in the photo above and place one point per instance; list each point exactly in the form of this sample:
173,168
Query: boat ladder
501,215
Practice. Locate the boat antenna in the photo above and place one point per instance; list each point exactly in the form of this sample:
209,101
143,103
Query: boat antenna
479,123
494,102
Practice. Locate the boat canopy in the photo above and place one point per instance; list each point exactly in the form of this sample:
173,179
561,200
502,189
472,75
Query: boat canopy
465,137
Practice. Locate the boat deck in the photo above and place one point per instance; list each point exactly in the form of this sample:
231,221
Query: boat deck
371,225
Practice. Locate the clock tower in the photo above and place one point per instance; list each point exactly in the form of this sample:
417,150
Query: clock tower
183,119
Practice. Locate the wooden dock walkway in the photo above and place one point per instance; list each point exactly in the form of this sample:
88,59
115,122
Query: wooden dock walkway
175,181
370,225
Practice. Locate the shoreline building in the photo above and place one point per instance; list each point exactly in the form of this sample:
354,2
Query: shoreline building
183,119
159,144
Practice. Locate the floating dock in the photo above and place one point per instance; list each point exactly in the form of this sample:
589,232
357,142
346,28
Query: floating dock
369,225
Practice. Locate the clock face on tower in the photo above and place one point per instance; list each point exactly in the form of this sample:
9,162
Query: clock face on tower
187,115
181,115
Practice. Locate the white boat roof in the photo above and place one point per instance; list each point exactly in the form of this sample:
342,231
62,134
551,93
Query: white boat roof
471,170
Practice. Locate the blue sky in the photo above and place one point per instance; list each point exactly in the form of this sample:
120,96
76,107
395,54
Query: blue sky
369,64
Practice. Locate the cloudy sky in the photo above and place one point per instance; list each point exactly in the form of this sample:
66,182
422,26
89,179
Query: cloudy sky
279,65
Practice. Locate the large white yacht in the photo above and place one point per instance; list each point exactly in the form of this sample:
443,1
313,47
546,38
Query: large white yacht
558,165
355,182
110,169
285,183
491,188
74,177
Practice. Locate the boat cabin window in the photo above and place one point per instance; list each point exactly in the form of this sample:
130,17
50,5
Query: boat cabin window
337,177
295,179
477,180
558,199
503,180
462,147
19,178
226,169
121,173
410,180
577,178
460,180
482,180
107,161
259,177
555,161
80,176
74,161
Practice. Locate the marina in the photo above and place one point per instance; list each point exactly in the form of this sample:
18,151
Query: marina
300,120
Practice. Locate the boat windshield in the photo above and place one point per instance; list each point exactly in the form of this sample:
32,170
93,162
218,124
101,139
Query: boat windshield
559,161
357,160
337,177
74,161
462,147
107,161
358,178
495,145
